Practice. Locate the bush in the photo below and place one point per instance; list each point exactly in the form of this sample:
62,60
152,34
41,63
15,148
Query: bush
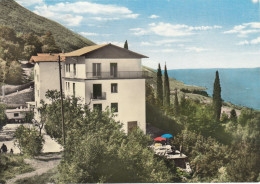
11,165
97,150
3,118
206,154
159,119
28,140
199,92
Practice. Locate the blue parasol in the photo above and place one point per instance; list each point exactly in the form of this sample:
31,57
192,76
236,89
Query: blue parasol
167,136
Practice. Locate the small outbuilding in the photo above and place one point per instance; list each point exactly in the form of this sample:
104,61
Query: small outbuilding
16,115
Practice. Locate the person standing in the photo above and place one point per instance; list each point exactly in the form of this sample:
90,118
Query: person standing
4,148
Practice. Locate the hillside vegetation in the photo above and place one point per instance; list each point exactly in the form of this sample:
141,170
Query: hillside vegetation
222,147
22,20
192,92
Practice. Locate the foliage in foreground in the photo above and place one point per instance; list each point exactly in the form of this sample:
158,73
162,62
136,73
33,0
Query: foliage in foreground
11,165
98,151
48,177
225,150
28,140
2,115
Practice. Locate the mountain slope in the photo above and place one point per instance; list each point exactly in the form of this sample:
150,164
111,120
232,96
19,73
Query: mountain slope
22,20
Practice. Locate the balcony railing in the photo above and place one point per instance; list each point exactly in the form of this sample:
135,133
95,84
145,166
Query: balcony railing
118,75
99,97
73,74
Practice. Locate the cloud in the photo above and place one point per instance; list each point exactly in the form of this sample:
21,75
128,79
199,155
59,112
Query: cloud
93,34
120,44
163,50
29,2
167,42
255,41
88,34
71,20
245,42
154,16
139,31
196,49
255,1
245,29
73,14
172,30
251,42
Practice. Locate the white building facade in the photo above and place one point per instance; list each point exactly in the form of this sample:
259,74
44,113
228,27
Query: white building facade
102,76
46,77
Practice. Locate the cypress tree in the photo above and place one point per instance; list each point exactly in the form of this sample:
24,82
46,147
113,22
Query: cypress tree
126,45
159,85
166,88
217,101
176,103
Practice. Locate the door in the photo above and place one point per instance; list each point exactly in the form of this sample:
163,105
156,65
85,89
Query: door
96,69
132,125
97,91
113,69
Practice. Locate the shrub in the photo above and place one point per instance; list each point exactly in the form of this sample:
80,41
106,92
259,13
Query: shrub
11,165
28,140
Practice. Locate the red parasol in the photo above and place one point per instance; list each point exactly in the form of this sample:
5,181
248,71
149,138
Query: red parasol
159,139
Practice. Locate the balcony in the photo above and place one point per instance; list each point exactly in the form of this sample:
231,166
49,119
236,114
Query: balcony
99,96
72,75
118,75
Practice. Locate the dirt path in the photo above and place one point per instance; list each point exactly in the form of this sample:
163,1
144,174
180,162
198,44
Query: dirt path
41,164
7,137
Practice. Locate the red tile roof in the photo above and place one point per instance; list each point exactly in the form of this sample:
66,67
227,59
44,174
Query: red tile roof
46,57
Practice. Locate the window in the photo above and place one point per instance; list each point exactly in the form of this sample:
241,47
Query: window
74,69
16,114
97,107
68,86
113,69
74,90
97,91
114,88
114,107
67,67
96,69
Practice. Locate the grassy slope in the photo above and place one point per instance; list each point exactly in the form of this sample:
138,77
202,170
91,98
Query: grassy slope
22,20
12,165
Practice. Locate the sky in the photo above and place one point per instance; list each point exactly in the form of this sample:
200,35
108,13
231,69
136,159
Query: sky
181,33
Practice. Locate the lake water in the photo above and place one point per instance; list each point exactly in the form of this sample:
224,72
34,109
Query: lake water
238,86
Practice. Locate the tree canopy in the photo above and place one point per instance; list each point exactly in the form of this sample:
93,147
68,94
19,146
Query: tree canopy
94,140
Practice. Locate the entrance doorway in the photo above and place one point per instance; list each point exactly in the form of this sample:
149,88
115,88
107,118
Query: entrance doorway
97,91
132,125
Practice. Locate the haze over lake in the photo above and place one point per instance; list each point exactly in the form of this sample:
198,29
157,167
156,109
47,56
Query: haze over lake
239,86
